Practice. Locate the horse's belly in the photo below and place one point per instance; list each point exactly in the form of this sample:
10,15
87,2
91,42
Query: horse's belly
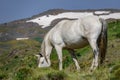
75,44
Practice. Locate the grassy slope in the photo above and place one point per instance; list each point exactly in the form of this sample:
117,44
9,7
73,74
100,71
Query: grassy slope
17,61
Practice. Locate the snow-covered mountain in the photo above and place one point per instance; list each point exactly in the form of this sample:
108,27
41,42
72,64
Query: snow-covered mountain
47,19
37,25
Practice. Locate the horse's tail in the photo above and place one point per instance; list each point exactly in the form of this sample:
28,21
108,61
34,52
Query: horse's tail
102,41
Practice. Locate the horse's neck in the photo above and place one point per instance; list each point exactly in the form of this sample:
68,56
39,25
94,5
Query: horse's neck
43,48
43,45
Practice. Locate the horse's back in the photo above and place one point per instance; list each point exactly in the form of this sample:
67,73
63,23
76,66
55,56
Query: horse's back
74,33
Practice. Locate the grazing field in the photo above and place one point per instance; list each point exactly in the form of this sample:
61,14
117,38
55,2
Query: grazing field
18,61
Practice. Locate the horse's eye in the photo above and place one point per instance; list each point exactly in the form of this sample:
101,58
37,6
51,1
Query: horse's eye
42,62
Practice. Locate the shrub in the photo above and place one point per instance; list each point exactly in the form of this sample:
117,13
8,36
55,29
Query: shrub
42,77
23,74
117,35
115,73
56,76
3,75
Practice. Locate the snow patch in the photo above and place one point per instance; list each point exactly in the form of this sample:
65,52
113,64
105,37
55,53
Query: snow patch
22,38
46,20
102,12
112,16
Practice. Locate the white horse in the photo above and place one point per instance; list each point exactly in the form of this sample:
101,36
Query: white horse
75,34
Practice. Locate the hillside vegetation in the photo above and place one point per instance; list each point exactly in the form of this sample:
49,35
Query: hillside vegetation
17,61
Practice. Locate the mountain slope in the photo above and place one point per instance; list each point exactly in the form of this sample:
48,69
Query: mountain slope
36,26
17,61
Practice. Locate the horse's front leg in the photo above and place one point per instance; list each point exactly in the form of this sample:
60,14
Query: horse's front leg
59,53
48,52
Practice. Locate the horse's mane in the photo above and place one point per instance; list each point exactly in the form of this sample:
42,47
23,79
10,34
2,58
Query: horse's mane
56,21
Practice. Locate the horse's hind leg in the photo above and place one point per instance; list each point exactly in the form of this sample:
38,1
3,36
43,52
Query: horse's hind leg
59,53
72,52
94,46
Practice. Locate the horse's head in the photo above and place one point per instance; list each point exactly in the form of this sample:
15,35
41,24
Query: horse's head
42,61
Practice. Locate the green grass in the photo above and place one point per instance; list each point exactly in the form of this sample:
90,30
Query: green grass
17,61
114,30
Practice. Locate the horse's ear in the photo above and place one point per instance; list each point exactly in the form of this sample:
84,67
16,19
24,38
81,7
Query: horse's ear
40,55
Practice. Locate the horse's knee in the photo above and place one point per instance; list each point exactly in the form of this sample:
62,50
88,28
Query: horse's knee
60,60
60,64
